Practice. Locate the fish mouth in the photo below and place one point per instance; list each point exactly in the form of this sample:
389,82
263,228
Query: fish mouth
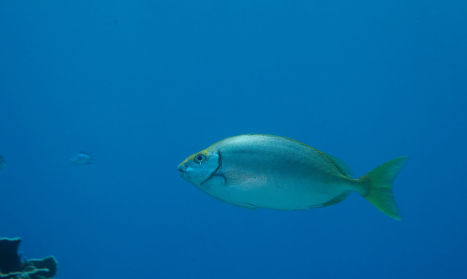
182,169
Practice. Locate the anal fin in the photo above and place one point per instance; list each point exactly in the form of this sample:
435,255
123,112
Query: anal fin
337,199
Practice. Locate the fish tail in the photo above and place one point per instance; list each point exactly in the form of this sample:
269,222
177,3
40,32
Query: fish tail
379,186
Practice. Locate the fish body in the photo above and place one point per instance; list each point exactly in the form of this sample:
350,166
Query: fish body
2,162
83,158
265,171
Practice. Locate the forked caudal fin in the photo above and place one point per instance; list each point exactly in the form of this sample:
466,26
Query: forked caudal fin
380,182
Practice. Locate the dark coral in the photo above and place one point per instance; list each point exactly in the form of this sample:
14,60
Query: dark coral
12,267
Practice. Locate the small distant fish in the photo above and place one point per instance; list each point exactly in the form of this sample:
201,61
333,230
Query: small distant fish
2,162
83,158
264,171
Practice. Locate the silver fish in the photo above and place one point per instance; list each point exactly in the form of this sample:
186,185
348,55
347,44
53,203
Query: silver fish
83,158
265,171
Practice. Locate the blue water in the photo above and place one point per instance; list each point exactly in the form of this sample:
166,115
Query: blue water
144,84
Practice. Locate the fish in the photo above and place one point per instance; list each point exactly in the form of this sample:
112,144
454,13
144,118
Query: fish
2,162
266,171
83,158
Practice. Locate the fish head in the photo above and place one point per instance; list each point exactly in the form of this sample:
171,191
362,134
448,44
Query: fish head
201,167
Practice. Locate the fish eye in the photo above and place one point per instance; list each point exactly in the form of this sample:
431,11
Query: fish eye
199,158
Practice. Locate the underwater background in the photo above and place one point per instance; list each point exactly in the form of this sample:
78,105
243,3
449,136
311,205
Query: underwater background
144,84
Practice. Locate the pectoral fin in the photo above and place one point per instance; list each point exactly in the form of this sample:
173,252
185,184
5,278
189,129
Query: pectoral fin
246,205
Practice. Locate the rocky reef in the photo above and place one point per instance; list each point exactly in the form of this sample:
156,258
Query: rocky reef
13,267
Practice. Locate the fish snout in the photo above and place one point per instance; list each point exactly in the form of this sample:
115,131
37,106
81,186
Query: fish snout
182,168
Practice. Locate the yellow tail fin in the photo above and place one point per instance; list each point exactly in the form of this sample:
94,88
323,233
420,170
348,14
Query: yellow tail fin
380,182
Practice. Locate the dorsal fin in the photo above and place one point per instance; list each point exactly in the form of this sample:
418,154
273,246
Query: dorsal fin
343,167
